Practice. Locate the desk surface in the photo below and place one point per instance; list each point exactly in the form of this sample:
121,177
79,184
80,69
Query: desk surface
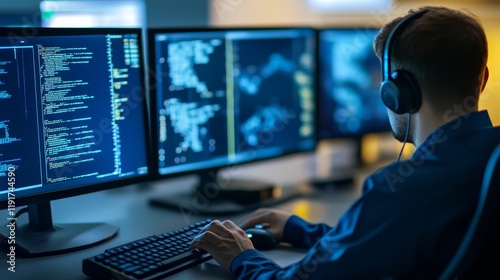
128,209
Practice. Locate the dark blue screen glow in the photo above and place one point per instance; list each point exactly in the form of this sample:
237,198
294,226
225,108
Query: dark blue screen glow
349,98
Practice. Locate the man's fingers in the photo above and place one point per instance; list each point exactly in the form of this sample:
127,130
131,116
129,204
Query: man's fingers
258,217
248,223
205,241
214,230
229,224
214,226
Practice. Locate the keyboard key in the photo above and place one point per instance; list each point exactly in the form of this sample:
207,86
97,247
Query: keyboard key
138,273
132,269
125,266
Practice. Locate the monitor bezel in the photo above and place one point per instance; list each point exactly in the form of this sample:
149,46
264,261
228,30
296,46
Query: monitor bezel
321,92
29,32
151,32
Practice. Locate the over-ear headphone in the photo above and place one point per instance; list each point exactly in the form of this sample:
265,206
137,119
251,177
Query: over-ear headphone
399,90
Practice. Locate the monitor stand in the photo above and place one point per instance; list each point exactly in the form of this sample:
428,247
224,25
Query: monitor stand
41,238
219,196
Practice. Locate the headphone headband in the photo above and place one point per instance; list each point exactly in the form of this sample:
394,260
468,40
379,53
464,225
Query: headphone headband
395,33
399,90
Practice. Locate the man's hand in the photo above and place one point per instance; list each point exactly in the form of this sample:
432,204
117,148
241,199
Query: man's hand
223,241
274,220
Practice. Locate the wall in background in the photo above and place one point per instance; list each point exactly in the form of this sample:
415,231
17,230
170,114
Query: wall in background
283,13
261,12
20,12
159,13
19,6
174,13
490,98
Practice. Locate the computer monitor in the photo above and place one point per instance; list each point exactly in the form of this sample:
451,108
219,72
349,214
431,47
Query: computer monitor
228,97
349,103
73,120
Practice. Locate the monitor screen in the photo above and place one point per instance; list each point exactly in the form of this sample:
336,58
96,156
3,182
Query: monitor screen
73,112
225,97
349,81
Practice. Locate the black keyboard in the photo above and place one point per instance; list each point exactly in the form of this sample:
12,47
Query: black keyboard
153,257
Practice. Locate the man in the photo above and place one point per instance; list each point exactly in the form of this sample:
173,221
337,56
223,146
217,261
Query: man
412,214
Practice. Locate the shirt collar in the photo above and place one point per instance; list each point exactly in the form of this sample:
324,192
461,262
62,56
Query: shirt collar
467,123
460,125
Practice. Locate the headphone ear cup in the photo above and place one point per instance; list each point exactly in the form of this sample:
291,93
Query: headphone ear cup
411,96
390,95
401,93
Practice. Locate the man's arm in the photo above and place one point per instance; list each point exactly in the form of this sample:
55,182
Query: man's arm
371,240
286,227
366,243
300,233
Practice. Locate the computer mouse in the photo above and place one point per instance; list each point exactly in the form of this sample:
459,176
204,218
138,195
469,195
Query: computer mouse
261,238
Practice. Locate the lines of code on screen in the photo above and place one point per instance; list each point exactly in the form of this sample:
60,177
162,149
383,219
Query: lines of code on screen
72,110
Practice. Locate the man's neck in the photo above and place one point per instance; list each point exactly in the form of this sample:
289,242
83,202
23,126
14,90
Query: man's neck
426,121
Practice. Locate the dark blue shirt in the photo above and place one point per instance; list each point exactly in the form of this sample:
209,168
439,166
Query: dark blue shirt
407,223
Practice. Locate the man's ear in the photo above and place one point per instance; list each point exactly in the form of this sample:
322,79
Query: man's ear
485,78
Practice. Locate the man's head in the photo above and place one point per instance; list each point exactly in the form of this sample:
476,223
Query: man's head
446,52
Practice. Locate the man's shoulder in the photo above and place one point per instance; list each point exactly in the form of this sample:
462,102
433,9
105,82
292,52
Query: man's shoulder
450,162
404,173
